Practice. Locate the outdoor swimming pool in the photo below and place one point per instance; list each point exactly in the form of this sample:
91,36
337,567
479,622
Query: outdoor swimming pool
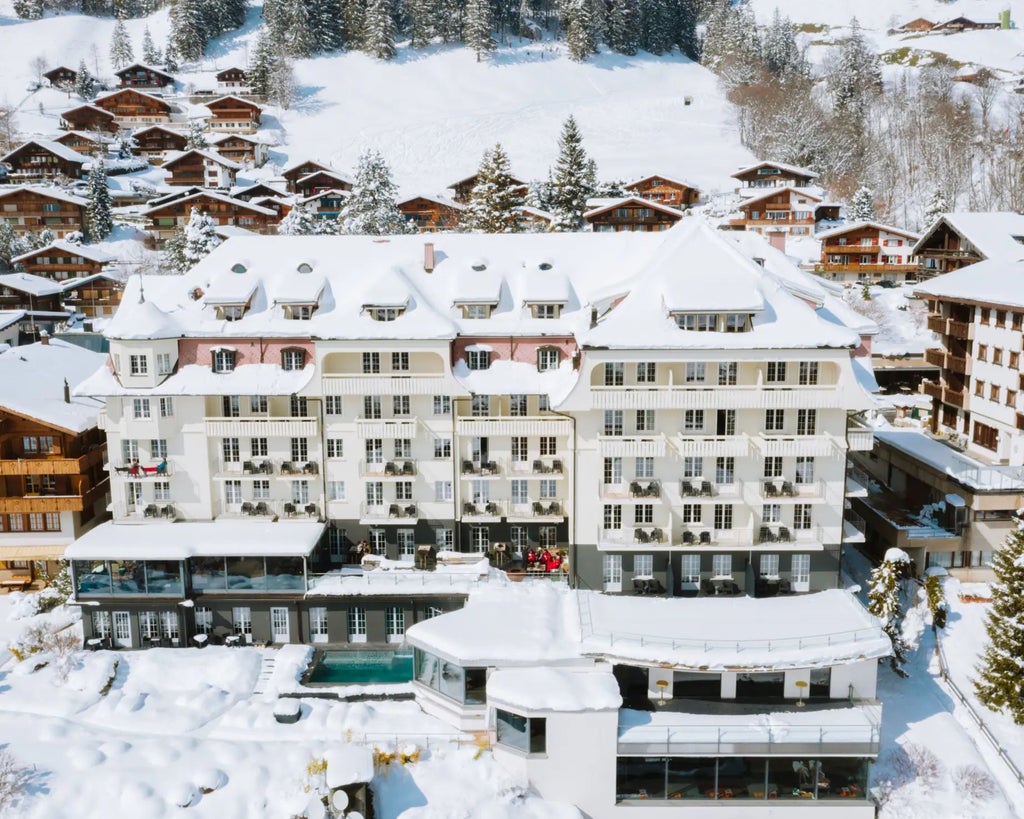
362,667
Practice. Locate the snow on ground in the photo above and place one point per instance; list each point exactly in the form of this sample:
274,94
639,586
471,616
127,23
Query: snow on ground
902,319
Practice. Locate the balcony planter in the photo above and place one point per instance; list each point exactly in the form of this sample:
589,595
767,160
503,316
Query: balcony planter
287,711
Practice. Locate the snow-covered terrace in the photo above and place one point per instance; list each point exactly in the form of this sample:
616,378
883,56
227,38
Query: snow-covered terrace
962,468
401,577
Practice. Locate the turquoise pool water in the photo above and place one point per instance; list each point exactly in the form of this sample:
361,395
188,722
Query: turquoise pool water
362,667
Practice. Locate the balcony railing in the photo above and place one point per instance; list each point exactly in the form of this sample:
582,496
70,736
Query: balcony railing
690,445
541,467
851,250
694,534
385,384
548,509
491,509
711,396
932,389
263,509
789,446
390,512
860,438
782,534
157,511
385,428
935,357
641,489
261,427
140,472
383,470
640,533
632,446
959,329
954,397
696,489
780,489
518,425
491,468
51,464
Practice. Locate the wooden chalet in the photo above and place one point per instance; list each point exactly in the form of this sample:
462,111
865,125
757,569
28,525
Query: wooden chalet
174,195
154,142
36,294
773,175
974,74
233,79
61,77
281,207
41,159
53,486
95,296
918,24
234,115
867,250
256,191
630,213
535,219
133,108
241,148
788,210
85,142
138,75
167,219
432,213
30,210
964,24
956,240
295,172
204,169
60,261
462,189
665,191
324,205
89,118
320,181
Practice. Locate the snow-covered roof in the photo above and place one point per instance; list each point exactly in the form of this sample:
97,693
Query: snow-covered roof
993,281
966,470
313,197
296,165
528,380
93,254
236,99
675,180
333,174
194,379
9,317
88,106
30,283
145,320
539,625
240,189
239,203
227,231
158,127
995,234
144,67
55,148
434,197
39,371
770,192
182,540
253,139
400,577
348,764
608,204
852,226
90,136
120,92
209,156
782,166
565,690
49,192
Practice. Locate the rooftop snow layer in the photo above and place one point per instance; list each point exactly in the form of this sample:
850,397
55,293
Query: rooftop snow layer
178,541
46,191
564,690
994,234
86,252
401,577
963,468
195,379
852,226
55,148
31,284
39,371
993,281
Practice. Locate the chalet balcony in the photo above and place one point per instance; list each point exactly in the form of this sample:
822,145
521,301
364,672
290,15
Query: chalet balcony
780,534
155,511
397,469
265,427
274,510
490,510
712,396
642,490
937,324
859,437
52,464
690,445
954,397
632,219
932,389
960,329
699,490
781,490
514,425
298,470
936,357
852,250
491,468
867,269
694,535
640,534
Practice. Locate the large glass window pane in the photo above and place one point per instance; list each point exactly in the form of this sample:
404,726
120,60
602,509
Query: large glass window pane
164,577
207,574
476,685
740,777
427,667
246,573
640,778
512,730
127,577
453,680
285,574
92,577
842,778
691,778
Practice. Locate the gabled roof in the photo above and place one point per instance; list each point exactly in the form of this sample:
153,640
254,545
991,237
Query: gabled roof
89,136
81,281
9,317
296,165
59,69
122,91
435,198
136,66
89,107
914,22
340,177
159,126
248,103
237,191
471,177
220,73
239,203
86,252
995,234
993,281
633,200
314,196
252,139
174,195
782,166
40,371
30,284
55,148
211,156
673,180
143,321
46,192
770,192
852,226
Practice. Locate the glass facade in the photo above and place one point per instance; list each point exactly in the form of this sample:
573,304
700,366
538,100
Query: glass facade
465,685
264,574
525,734
128,577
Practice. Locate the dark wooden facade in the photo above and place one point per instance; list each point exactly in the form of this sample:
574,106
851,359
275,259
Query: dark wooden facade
632,214
134,108
143,76
296,172
866,251
464,187
62,261
37,161
26,295
665,191
774,175
200,168
786,210
319,181
29,210
234,115
61,77
429,214
167,219
943,250
94,296
85,143
256,191
89,118
156,141
232,78
242,149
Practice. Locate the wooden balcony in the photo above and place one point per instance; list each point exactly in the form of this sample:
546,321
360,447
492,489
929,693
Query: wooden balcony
852,250
959,329
53,503
937,324
852,267
954,397
932,389
54,465
936,357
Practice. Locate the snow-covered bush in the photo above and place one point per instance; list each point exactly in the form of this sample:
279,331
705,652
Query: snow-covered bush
13,779
974,783
936,600
884,600
23,605
928,768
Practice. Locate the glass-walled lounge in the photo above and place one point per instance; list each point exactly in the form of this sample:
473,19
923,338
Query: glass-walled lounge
262,574
704,778
465,685
128,577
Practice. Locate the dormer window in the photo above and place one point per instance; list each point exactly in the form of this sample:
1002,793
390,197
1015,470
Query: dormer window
737,322
548,358
299,312
476,311
231,312
238,268
223,360
546,311
293,359
385,313
478,359
305,268
696,322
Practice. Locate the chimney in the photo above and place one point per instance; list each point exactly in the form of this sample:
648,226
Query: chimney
428,257
67,392
44,338
777,239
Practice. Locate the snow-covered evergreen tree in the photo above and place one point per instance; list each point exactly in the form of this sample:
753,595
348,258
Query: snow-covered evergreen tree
282,83
327,24
884,599
855,74
150,53
299,36
624,27
572,179
495,203
937,206
261,66
862,206
780,49
582,27
85,85
8,245
371,209
298,222
196,135
658,25
188,32
448,22
171,55
121,51
476,30
194,243
1000,683
28,9
378,37
731,46
353,23
98,211
421,21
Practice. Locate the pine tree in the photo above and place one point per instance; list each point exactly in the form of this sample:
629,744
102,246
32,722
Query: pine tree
150,53
298,222
171,55
121,51
99,215
282,83
582,28
937,206
862,206
261,67
194,243
28,9
421,22
573,178
8,245
196,135
884,600
1000,683
477,27
299,37
855,75
449,20
189,29
378,37
624,27
85,85
495,203
780,49
353,23
371,209
327,24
